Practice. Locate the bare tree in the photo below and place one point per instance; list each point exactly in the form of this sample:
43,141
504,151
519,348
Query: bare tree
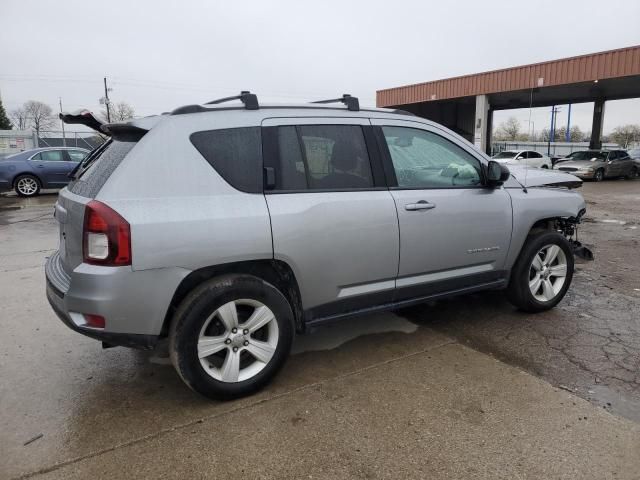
576,134
509,130
19,118
39,116
625,135
119,112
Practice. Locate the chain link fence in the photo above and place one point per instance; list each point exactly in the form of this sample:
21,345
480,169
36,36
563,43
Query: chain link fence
55,138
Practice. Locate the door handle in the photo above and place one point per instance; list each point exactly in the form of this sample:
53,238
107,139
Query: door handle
40,166
421,205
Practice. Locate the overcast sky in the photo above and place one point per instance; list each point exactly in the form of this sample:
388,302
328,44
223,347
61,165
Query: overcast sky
158,54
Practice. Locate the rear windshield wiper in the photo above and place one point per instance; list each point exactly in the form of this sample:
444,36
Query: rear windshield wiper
86,163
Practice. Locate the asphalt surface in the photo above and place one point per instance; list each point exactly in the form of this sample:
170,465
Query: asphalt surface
463,388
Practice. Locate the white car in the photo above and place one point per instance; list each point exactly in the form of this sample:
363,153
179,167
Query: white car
527,158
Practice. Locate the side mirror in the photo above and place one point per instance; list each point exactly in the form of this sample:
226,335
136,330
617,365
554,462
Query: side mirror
497,174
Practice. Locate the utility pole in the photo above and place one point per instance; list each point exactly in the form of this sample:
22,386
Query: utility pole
106,100
567,136
64,137
552,130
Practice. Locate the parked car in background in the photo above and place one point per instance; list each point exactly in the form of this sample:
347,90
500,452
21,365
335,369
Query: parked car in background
279,219
599,164
29,171
528,158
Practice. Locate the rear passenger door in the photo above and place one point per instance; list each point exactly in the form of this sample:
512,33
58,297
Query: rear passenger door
332,217
454,232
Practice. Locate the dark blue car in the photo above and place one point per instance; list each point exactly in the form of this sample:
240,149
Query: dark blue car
29,171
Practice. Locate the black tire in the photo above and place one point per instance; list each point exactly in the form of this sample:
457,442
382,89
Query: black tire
599,175
199,305
518,291
633,174
545,166
31,179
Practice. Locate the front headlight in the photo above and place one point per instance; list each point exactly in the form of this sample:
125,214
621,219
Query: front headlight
587,169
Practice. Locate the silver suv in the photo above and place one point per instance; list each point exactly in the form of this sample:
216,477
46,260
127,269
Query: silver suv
229,228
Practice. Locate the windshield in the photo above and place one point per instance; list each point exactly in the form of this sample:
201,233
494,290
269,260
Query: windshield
506,155
588,155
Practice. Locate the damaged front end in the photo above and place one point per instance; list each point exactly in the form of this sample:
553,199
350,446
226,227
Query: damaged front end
569,228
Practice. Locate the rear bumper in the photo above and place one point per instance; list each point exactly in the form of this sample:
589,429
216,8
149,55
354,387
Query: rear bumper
132,340
134,304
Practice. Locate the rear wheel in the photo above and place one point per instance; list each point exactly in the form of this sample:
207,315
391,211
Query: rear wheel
27,186
542,274
633,173
599,175
230,336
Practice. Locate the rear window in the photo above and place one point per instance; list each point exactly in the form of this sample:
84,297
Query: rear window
322,157
235,153
92,176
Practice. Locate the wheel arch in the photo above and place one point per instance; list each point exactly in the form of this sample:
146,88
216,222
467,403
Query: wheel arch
540,225
275,272
26,172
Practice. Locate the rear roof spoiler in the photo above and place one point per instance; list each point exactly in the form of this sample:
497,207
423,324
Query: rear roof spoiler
84,117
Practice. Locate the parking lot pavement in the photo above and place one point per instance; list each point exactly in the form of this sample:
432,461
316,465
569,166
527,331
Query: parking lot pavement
590,343
377,397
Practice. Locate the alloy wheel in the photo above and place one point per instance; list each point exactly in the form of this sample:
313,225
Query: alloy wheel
238,340
27,186
547,273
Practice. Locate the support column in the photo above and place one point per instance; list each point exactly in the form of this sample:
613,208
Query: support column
596,127
481,133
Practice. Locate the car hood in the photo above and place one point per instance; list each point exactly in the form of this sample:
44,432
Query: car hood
581,163
542,177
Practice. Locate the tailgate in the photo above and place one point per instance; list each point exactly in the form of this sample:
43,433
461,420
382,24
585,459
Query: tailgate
69,212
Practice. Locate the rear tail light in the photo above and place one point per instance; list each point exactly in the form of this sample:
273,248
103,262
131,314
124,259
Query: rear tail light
106,236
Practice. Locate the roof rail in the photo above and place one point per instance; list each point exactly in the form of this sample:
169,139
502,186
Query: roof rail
249,99
352,103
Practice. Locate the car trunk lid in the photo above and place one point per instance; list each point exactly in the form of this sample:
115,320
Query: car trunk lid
86,184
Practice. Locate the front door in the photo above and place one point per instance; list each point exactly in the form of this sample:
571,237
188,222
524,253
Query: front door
333,220
454,232
53,167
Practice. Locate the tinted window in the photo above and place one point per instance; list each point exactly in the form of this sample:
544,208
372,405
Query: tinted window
521,156
235,153
76,155
534,155
425,160
323,157
50,156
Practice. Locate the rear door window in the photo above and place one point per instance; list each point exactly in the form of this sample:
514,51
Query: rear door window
50,156
235,153
323,157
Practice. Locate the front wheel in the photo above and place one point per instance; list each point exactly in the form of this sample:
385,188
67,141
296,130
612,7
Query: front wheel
542,274
230,336
599,175
27,186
